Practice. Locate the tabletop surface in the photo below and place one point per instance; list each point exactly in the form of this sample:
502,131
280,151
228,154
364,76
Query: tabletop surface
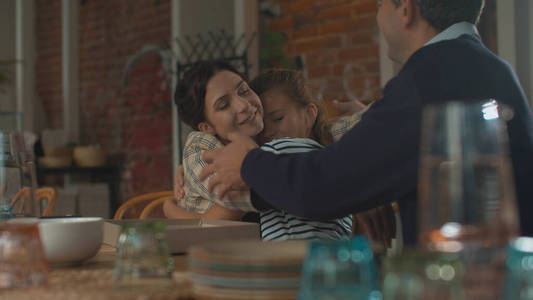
93,280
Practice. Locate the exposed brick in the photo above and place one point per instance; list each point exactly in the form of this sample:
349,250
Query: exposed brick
316,43
338,26
319,72
336,12
110,32
296,6
359,53
364,37
282,24
366,7
321,57
304,33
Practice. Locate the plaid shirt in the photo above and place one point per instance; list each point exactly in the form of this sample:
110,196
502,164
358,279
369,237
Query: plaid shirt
198,199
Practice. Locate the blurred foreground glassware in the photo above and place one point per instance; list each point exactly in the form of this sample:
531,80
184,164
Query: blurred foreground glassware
519,270
22,261
142,254
342,269
466,193
17,175
423,275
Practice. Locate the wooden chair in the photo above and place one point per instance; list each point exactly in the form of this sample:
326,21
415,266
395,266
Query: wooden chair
155,199
47,194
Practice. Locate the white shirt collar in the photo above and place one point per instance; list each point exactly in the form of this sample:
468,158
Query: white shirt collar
455,31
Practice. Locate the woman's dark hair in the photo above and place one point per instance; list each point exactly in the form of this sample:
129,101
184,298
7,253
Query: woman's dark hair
442,14
191,90
293,84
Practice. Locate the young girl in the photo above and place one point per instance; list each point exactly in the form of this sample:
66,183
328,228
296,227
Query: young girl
293,123
210,100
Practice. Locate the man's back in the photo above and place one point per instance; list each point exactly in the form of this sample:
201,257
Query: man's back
376,162
462,69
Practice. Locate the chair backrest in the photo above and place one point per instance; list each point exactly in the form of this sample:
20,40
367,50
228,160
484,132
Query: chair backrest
47,194
155,199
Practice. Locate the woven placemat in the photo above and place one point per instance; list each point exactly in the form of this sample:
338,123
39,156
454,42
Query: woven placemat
98,284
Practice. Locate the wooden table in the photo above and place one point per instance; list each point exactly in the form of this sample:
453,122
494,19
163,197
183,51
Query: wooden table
93,279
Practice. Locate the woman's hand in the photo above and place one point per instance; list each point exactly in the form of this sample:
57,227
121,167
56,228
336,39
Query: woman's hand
379,223
179,192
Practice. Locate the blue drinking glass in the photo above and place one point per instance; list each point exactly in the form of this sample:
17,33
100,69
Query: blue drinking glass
341,269
519,273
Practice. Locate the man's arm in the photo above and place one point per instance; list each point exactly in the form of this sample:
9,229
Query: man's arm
377,159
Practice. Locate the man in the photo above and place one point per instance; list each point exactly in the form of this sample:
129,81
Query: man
377,161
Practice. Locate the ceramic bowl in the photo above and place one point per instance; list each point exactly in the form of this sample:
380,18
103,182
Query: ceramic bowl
70,240
89,156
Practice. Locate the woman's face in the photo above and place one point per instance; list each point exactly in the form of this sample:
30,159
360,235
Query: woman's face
285,118
231,106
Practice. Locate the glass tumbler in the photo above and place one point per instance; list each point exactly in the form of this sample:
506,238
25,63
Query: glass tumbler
341,269
422,275
466,193
22,261
519,270
142,254
17,175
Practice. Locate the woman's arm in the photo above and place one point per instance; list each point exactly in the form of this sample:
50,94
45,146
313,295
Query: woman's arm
196,198
173,211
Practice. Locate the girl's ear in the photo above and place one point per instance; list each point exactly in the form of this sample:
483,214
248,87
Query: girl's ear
311,113
206,127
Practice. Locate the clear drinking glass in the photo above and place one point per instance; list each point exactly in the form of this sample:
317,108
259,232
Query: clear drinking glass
143,256
423,275
17,174
519,270
466,192
342,269
22,261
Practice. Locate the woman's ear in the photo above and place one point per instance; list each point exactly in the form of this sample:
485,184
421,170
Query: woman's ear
206,127
311,113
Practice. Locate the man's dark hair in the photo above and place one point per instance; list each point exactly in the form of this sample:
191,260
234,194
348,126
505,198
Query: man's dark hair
191,90
442,14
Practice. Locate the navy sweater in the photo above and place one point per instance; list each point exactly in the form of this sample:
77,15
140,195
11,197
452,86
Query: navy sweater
377,161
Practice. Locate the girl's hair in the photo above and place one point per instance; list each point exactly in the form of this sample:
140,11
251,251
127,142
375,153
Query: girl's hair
293,84
191,90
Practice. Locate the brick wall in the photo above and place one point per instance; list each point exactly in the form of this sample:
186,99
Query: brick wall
337,40
48,59
132,122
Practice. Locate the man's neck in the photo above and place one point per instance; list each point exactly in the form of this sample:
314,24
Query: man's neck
419,36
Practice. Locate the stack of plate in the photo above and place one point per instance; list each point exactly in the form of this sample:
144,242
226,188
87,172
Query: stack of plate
246,269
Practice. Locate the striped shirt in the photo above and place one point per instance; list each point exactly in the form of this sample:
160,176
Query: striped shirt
278,225
197,199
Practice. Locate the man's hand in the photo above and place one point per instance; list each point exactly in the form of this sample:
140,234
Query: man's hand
379,223
179,192
226,164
